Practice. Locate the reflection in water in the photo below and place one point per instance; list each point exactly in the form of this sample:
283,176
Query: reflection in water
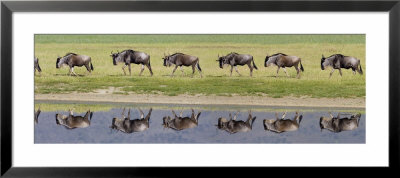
37,113
181,123
280,125
337,124
233,126
126,125
71,122
218,125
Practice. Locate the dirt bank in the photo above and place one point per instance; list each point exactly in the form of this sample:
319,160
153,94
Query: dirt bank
206,100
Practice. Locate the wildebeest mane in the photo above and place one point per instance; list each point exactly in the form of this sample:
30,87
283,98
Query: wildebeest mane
128,51
337,56
176,54
70,54
279,54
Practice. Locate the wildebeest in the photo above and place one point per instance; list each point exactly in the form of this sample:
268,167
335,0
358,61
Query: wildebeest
280,125
37,113
180,59
126,125
233,126
180,123
282,61
337,124
71,122
235,59
72,60
130,56
36,64
338,61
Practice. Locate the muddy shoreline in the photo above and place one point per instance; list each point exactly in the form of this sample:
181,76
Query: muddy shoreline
205,100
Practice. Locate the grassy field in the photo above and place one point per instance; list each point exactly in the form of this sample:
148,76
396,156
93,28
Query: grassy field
313,83
82,108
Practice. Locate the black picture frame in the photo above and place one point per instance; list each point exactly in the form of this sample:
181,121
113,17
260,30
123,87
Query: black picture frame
8,7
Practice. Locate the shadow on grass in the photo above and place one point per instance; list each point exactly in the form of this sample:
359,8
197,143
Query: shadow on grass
78,75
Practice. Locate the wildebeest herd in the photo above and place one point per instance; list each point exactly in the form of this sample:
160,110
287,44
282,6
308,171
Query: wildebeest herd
281,60
179,122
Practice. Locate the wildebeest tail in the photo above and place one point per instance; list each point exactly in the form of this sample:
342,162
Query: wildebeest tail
91,66
361,71
91,115
198,66
254,65
301,66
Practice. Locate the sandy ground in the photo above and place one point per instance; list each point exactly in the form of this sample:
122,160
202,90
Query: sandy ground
206,100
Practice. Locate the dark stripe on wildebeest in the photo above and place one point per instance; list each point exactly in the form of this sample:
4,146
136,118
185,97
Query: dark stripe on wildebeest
180,59
282,61
126,125
36,64
338,124
130,56
72,60
235,59
338,61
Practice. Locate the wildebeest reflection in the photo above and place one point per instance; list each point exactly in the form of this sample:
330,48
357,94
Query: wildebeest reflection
126,125
280,125
37,113
181,123
337,124
71,122
232,126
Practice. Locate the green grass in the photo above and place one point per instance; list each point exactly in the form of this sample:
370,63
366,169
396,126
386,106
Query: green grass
313,83
81,108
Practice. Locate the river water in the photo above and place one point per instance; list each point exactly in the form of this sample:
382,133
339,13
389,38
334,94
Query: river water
97,129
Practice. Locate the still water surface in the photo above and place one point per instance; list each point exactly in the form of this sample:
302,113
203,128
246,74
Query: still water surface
162,128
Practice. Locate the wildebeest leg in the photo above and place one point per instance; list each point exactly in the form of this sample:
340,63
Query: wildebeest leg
88,68
129,68
141,114
330,74
237,71
354,71
284,69
123,69
277,71
298,71
251,69
149,67
231,70
193,69
173,71
72,69
141,70
181,70
340,72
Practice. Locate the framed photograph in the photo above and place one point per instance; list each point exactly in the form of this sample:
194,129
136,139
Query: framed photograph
168,84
